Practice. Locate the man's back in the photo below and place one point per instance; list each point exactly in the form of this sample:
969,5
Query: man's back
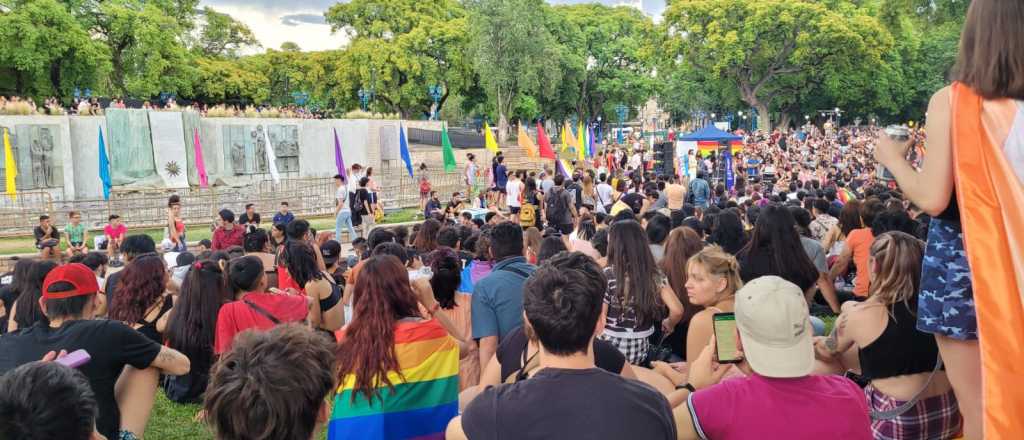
758,407
498,298
676,195
565,404
111,345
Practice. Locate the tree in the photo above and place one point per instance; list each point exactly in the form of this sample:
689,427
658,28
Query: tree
48,49
233,81
402,47
610,48
513,52
223,36
290,46
760,45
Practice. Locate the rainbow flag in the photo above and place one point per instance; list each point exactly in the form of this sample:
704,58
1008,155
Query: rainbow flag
425,396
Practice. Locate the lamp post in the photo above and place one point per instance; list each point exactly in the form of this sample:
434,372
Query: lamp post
435,92
599,140
365,95
838,116
622,112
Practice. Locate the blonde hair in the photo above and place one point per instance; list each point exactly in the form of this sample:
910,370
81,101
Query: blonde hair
719,263
898,258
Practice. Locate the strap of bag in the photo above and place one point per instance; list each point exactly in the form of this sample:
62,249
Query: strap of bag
906,406
516,271
262,311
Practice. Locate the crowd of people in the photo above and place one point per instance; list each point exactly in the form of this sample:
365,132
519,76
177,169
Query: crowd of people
611,301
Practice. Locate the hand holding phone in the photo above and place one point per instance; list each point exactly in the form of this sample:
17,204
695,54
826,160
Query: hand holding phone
726,350
74,359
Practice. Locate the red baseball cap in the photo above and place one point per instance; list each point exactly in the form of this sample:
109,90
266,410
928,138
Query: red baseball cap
77,274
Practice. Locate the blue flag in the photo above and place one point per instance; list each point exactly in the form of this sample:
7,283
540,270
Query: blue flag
404,146
104,168
727,158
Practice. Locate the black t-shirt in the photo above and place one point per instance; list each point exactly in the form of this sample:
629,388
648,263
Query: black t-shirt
513,345
111,345
110,285
7,295
635,201
245,219
41,235
559,403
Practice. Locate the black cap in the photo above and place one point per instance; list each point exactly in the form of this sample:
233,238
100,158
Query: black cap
330,250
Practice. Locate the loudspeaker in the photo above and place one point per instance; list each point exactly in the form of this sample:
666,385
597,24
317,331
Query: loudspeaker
664,160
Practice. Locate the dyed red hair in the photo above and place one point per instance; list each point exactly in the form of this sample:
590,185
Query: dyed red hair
382,297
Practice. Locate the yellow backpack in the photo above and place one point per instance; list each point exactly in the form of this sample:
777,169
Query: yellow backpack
527,214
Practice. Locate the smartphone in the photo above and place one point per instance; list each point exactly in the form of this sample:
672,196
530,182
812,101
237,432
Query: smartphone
75,359
725,338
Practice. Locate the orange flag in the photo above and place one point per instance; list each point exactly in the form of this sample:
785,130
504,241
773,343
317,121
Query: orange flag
524,141
990,196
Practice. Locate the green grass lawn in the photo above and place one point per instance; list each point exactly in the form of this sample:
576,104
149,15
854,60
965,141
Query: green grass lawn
26,244
175,421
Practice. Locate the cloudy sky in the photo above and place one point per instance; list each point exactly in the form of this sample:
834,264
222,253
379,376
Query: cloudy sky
302,21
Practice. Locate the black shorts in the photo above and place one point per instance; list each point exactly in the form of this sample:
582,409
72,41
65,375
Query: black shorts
502,190
513,209
76,244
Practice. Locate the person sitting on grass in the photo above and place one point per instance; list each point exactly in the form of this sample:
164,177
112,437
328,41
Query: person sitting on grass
75,235
568,396
114,232
68,411
878,337
119,354
254,392
779,398
47,238
254,307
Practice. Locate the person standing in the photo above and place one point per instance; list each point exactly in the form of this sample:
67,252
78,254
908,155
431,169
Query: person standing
342,211
560,211
500,180
424,180
700,191
472,174
513,192
175,225
364,205
970,282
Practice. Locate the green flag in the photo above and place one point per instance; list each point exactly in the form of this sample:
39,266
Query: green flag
446,150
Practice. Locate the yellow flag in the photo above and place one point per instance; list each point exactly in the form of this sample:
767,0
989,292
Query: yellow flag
580,145
526,143
565,138
10,168
489,143
568,139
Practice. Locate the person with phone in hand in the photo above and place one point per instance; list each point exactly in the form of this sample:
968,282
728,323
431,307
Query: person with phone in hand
118,354
772,343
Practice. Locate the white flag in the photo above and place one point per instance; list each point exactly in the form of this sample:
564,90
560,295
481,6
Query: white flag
271,157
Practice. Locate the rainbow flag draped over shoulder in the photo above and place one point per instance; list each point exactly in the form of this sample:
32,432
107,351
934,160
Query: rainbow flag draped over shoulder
990,193
425,396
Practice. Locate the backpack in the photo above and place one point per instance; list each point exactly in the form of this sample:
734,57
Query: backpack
356,203
527,214
556,206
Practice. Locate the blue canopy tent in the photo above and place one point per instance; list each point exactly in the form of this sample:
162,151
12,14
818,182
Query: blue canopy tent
710,133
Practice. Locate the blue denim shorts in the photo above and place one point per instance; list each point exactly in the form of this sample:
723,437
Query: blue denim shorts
945,305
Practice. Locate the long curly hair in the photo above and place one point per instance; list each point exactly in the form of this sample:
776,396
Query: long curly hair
141,286
382,297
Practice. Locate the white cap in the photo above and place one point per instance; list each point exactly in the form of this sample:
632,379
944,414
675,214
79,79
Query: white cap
771,315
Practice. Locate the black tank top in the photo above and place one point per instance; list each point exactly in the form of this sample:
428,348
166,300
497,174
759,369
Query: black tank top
952,211
148,328
901,348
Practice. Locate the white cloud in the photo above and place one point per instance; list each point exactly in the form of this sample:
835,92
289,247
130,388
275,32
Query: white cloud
275,22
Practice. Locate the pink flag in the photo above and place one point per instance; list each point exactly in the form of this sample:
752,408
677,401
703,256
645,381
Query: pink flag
200,165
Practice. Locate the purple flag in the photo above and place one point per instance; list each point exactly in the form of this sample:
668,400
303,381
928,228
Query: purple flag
200,164
562,169
338,160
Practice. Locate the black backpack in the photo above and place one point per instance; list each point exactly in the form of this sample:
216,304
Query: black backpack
555,206
575,192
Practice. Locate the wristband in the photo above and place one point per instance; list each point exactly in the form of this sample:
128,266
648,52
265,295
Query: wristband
686,386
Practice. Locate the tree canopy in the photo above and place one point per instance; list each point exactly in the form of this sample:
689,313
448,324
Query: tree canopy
501,60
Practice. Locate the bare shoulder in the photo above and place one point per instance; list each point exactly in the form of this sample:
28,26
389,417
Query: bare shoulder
941,99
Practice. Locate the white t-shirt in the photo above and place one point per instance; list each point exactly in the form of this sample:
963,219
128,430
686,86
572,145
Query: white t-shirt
341,194
471,173
512,189
604,193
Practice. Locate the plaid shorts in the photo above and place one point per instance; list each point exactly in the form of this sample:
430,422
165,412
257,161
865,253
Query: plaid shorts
634,349
934,418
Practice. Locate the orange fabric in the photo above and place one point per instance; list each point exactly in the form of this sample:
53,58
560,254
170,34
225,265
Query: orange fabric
469,363
991,198
859,241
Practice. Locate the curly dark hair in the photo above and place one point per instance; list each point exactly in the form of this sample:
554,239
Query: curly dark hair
141,286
